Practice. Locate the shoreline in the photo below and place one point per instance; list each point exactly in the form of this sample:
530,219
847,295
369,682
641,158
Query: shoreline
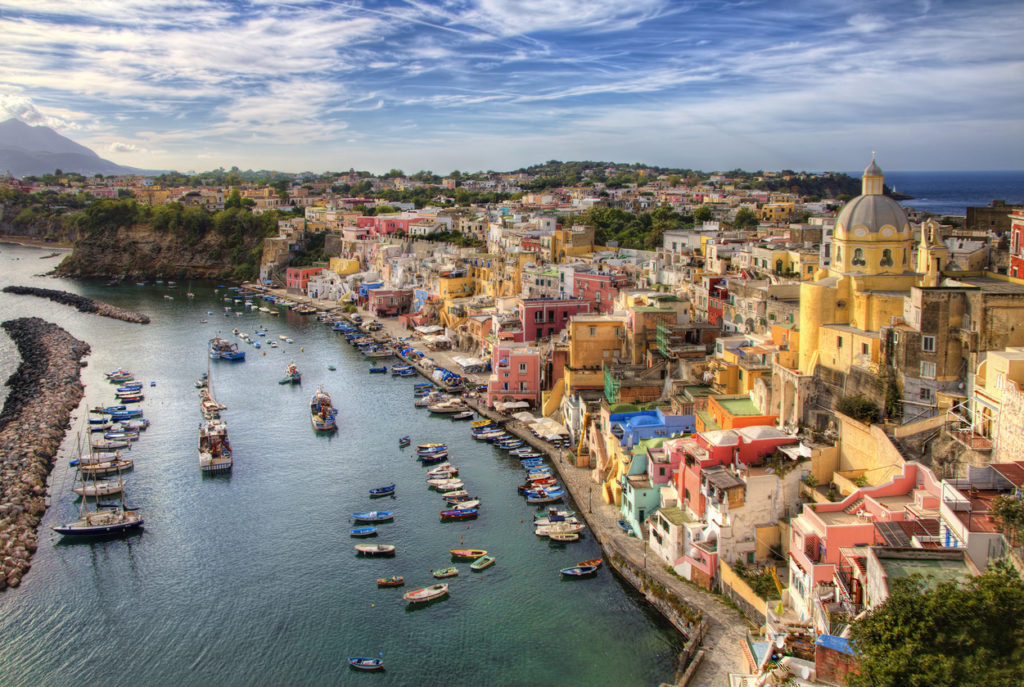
35,243
44,390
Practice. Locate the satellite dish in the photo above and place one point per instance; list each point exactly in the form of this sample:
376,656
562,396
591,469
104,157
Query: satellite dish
780,641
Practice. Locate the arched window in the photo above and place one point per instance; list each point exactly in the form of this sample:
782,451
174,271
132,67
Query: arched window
858,257
839,254
886,260
904,257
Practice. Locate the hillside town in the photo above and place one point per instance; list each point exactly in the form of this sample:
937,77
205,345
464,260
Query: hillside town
793,403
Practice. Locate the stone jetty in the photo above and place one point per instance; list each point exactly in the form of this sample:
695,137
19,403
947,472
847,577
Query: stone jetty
44,390
81,302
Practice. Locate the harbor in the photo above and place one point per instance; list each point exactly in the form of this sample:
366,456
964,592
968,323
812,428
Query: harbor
229,564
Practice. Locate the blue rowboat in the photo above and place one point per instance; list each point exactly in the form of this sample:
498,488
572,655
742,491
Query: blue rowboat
361,663
130,386
404,441
389,490
578,571
433,458
119,415
379,370
460,513
362,532
374,516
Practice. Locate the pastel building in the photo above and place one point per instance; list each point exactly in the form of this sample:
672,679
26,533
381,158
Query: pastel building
515,375
543,318
297,278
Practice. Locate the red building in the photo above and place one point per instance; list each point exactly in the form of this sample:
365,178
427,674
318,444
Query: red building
389,302
600,288
515,376
385,224
1017,244
718,297
298,277
544,317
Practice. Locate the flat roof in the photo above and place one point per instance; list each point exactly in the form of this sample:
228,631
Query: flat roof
934,570
676,516
991,284
739,406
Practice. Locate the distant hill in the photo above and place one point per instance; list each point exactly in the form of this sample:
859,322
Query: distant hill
34,150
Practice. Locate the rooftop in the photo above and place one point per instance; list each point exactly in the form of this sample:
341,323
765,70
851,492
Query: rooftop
991,285
934,570
674,515
739,406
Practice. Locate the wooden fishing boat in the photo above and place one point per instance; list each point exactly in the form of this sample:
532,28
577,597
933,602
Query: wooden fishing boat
374,516
448,485
432,458
389,490
379,370
564,536
558,527
482,562
362,663
456,496
544,496
404,441
99,488
578,571
446,572
393,581
445,468
362,532
468,503
464,415
467,554
375,549
460,514
434,591
107,467
595,562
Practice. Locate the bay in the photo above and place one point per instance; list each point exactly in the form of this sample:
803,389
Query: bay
951,192
251,579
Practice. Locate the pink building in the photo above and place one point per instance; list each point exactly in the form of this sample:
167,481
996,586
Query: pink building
298,277
544,317
705,450
600,288
385,224
389,302
818,534
515,376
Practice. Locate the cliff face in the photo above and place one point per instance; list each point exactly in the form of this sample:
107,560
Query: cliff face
141,252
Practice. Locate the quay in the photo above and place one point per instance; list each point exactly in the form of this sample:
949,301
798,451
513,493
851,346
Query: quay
713,630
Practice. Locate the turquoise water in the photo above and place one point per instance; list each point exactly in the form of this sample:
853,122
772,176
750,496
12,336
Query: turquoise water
251,579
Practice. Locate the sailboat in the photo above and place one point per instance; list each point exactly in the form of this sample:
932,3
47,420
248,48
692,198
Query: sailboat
105,519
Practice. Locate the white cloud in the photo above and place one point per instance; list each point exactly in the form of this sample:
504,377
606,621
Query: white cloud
17,106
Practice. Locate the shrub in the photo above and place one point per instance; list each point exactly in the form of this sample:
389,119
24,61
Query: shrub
859,408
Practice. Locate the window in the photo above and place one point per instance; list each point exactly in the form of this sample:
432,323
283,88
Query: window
886,260
522,367
928,344
593,331
865,349
927,369
839,253
839,342
858,257
926,394
522,386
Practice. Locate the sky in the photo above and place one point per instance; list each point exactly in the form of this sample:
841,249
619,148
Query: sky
500,84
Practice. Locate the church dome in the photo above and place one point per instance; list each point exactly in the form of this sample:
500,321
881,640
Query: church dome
870,215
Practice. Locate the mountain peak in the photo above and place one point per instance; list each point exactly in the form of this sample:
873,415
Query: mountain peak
33,150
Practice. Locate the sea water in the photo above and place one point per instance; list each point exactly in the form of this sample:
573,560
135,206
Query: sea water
251,578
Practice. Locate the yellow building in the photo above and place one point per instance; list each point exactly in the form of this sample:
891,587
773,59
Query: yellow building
777,212
344,266
842,310
594,341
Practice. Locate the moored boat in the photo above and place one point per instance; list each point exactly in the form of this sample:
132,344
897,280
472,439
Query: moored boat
388,490
322,412
104,468
444,573
460,514
362,532
404,441
393,581
214,448
595,562
291,375
467,554
362,663
375,549
374,516
222,349
564,536
434,591
99,488
579,571
482,562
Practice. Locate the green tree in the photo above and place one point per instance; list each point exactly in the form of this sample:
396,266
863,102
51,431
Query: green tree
234,200
745,217
703,214
953,634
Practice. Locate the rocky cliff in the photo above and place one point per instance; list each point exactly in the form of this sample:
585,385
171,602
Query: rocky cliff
141,252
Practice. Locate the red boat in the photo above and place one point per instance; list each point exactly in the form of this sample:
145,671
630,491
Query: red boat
393,581
459,514
596,562
534,484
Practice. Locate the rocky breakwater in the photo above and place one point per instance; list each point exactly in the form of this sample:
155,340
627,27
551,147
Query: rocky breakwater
44,390
81,302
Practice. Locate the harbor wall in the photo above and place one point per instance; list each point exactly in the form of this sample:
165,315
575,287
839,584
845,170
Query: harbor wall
44,390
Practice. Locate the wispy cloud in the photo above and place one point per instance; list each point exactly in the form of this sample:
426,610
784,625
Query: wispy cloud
332,84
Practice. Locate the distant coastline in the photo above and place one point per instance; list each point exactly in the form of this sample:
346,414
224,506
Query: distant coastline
951,193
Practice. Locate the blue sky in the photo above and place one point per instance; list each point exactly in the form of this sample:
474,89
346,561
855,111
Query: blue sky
492,84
